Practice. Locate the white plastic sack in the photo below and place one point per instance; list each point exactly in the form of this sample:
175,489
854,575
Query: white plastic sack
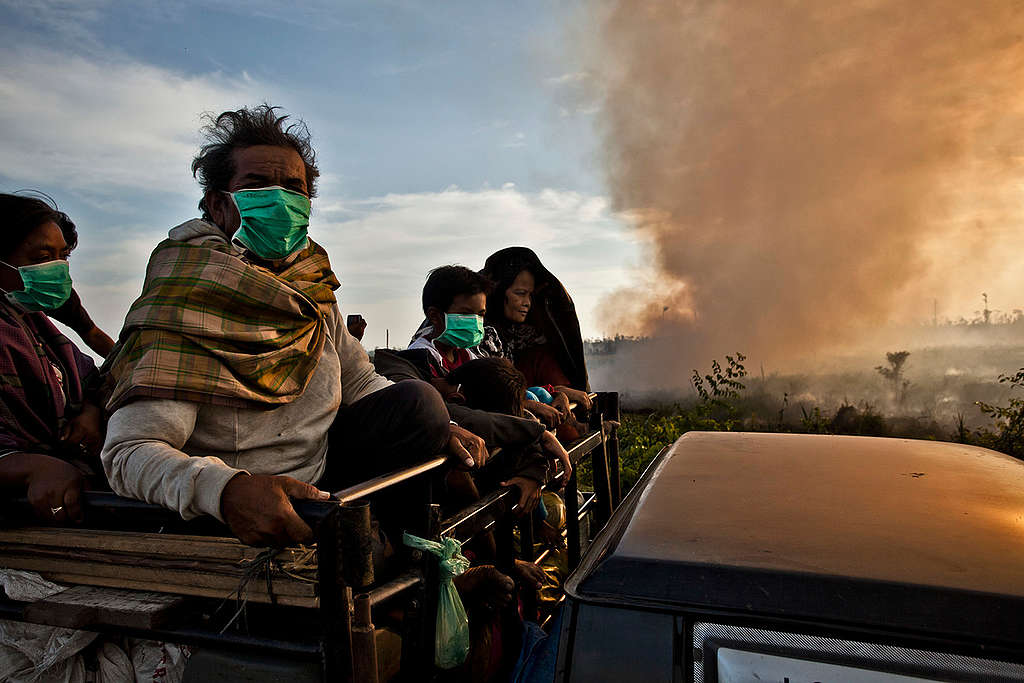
34,653
157,662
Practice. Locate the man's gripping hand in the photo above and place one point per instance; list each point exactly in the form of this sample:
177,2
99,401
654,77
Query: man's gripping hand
259,512
466,448
554,449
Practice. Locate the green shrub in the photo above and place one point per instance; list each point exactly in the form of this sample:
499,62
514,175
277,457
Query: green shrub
1007,431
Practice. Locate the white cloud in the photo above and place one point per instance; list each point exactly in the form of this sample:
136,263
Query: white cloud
383,247
567,78
98,125
517,140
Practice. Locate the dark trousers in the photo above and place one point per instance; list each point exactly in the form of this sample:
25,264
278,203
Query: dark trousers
402,425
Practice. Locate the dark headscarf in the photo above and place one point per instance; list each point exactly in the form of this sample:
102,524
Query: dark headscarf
552,318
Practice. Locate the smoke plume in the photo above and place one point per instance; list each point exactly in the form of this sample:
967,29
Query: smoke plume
806,170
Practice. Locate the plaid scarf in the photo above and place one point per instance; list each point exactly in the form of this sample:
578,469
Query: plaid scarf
213,326
32,408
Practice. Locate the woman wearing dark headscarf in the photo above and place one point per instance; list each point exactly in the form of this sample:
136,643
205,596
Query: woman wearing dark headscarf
536,323
46,415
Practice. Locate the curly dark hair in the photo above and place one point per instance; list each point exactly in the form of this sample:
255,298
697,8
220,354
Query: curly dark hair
491,384
247,127
447,282
21,214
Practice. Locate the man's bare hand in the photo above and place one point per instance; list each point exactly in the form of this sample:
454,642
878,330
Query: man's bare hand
259,512
85,430
549,535
529,493
554,449
580,398
54,488
466,448
560,402
529,574
545,413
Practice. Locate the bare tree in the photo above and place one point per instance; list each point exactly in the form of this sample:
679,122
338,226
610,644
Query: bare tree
894,373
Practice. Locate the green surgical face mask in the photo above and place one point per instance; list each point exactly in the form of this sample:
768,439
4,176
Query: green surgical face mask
462,331
45,286
274,221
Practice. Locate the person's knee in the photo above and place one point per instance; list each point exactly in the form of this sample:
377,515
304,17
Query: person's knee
427,413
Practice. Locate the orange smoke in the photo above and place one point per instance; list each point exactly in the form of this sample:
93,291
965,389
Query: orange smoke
807,171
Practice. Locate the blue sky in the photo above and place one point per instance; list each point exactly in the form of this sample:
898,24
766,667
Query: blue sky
444,131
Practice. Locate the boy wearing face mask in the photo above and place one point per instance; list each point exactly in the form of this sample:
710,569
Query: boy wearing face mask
454,301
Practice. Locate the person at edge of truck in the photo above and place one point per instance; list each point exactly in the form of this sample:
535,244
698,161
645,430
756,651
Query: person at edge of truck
536,321
454,302
495,396
234,362
453,332
73,313
51,426
494,384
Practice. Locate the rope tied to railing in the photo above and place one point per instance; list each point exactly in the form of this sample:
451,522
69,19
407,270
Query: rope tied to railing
451,642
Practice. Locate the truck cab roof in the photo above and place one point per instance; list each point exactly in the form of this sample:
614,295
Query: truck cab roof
909,535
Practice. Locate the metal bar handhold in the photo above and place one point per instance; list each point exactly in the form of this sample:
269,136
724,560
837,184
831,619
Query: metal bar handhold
335,601
610,412
584,446
572,521
602,487
585,507
432,595
356,544
554,611
385,480
474,518
364,643
529,554
526,523
395,587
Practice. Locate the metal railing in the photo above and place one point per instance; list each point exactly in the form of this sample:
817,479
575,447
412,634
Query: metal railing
342,638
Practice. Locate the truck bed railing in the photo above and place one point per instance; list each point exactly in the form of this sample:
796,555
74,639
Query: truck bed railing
342,637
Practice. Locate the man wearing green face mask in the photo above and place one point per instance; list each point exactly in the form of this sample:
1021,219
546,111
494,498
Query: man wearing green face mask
235,362
273,221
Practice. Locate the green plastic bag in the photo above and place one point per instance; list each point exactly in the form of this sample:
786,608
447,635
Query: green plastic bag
451,644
